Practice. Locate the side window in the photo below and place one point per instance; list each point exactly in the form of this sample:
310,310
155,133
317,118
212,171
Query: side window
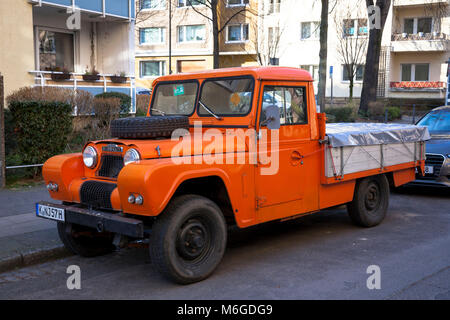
291,102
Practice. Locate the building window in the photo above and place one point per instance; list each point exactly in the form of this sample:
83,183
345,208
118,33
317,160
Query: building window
235,3
187,3
152,35
359,76
416,25
191,33
56,51
274,6
355,27
152,68
310,30
313,70
415,72
237,33
153,4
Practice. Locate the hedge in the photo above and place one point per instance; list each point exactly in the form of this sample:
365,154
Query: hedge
41,129
125,100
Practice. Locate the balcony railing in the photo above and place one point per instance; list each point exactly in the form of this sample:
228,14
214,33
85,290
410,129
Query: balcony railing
419,36
418,86
115,8
104,84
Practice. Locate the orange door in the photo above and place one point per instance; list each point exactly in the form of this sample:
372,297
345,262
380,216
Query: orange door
281,179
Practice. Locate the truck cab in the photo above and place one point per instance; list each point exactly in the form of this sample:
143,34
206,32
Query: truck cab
239,146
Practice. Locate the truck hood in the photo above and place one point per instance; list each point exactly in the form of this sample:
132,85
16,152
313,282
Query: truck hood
163,148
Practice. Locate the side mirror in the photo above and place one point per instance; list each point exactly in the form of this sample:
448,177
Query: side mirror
272,114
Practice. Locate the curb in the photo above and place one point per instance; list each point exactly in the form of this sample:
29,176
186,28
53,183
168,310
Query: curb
28,258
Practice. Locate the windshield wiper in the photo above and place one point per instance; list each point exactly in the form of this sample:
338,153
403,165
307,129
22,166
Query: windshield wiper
209,111
161,112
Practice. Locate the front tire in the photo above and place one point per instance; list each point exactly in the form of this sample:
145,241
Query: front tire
188,239
85,241
370,201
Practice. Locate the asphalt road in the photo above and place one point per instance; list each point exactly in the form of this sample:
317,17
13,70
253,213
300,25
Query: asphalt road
322,256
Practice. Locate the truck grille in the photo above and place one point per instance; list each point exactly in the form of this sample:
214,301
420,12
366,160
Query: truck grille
97,194
435,160
110,166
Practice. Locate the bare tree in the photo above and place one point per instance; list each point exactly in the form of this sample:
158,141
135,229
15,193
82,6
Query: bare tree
377,15
218,19
352,42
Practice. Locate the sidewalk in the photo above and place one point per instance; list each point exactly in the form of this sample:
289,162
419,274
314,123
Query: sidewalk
24,238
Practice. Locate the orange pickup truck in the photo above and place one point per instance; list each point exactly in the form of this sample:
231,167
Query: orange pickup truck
239,146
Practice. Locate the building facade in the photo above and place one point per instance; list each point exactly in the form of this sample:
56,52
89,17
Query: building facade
68,38
191,34
415,44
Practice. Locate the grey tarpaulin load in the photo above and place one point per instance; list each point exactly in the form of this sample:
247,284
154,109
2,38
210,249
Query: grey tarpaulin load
366,134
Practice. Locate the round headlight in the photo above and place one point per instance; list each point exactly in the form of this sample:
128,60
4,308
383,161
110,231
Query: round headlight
132,155
90,157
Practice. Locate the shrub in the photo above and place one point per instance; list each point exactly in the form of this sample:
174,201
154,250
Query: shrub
125,100
41,128
394,113
95,126
341,114
142,102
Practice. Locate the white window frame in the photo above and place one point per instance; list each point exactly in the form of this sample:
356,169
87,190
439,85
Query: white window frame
161,34
155,8
274,4
413,72
354,80
184,33
242,33
162,67
186,5
416,24
356,27
313,36
241,4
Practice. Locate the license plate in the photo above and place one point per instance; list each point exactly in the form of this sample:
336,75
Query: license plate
50,212
429,169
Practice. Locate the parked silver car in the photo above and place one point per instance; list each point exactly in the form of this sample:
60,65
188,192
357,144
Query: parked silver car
437,163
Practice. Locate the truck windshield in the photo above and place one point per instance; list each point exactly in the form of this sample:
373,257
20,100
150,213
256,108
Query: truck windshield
227,97
174,98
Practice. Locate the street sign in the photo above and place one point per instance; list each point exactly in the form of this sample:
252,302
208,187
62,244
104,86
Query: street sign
331,71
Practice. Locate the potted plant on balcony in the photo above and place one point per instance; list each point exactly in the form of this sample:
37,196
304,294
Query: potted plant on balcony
91,75
59,74
119,77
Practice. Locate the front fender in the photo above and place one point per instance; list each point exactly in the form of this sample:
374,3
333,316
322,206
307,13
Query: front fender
63,169
158,179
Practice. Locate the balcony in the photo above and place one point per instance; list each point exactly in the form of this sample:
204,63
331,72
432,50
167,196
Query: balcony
418,86
76,82
403,42
114,8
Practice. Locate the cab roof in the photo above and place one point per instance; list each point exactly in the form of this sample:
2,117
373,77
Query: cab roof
259,73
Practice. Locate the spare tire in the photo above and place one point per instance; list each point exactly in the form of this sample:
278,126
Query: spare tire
147,127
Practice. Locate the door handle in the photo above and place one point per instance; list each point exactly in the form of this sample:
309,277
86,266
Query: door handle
296,158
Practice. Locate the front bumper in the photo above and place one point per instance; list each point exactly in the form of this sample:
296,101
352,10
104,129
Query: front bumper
429,183
100,220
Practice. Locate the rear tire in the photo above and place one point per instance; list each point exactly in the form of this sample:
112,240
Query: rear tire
85,241
188,239
370,201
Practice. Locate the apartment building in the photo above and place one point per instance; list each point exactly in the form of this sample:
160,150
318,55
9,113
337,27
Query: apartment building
415,44
239,38
190,32
44,38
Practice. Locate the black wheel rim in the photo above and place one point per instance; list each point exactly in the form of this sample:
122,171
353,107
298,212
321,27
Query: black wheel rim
372,197
193,239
